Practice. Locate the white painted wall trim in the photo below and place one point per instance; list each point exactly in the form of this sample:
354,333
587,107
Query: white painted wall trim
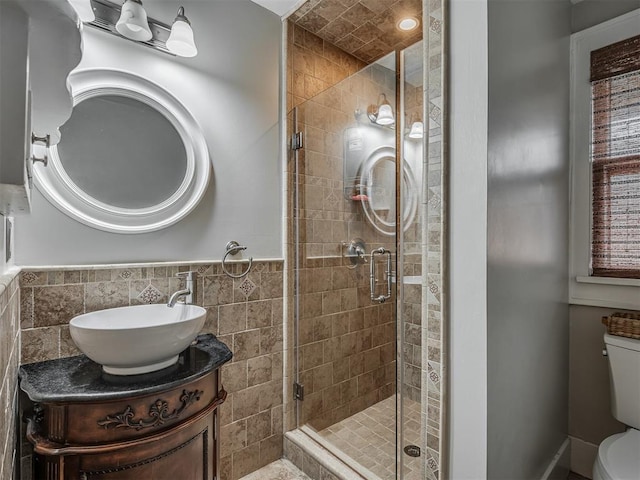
468,239
603,292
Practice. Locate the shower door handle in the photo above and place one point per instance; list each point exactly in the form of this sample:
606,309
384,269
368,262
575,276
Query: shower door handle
372,275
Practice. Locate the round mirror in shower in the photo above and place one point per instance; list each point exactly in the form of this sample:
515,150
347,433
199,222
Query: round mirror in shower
377,177
131,158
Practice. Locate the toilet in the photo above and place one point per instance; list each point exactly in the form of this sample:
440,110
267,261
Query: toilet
619,455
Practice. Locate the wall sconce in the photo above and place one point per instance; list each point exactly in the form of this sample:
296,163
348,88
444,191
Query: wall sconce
382,114
417,127
131,22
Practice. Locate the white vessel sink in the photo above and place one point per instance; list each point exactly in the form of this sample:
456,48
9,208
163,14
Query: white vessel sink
138,339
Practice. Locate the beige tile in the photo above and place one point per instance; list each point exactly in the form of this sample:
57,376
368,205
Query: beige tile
246,344
40,344
232,318
56,305
102,295
259,370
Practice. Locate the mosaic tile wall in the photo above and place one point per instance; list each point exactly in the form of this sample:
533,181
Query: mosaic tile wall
9,361
246,314
434,258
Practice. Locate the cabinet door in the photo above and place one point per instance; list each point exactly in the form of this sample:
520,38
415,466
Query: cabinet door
185,454
15,112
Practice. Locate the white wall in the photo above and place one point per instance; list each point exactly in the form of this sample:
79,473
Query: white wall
235,73
468,240
528,203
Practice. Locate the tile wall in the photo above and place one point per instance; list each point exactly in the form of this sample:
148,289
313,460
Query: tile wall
347,344
434,252
9,362
246,314
313,66
412,271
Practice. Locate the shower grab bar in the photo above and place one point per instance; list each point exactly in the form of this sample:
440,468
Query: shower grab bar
372,275
233,248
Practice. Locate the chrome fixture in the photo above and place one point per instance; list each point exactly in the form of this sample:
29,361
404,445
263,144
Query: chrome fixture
130,21
189,293
382,113
372,275
233,248
355,252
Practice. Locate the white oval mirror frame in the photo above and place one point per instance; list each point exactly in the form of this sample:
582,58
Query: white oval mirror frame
409,186
56,185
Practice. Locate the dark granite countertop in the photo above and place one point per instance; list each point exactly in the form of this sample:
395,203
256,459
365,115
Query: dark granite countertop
78,379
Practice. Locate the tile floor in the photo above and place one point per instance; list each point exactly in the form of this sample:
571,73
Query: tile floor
279,470
369,438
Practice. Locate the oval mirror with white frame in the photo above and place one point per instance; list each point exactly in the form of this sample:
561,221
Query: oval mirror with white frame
377,175
131,159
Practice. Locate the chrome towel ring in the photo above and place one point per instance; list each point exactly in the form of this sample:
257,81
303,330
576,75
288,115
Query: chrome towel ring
233,248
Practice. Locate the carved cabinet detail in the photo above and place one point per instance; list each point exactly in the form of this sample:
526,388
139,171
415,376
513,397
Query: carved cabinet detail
152,433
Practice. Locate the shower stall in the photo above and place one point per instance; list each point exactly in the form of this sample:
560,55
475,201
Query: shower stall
362,216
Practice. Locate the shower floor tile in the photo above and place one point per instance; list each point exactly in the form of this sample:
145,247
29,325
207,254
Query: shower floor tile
369,437
278,470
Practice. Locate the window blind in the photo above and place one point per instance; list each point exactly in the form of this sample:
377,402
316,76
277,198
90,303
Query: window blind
615,159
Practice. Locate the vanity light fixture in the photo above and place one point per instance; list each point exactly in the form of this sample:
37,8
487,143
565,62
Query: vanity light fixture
181,41
382,113
133,22
130,21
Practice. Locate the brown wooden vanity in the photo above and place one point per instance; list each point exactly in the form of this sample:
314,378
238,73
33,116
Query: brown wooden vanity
88,425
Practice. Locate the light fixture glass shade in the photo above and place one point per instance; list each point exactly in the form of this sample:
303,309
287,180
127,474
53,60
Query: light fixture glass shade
133,22
180,41
417,130
385,115
84,10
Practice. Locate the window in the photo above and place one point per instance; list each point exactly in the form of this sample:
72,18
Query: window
615,159
605,164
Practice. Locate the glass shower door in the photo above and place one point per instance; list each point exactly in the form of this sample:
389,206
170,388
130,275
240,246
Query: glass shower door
357,349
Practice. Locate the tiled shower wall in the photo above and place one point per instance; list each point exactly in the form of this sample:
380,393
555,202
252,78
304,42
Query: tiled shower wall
246,314
9,361
412,267
347,344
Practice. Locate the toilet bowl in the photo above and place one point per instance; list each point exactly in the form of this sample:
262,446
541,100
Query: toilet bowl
619,457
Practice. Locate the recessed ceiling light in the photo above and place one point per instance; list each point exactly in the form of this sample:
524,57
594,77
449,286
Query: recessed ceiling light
408,23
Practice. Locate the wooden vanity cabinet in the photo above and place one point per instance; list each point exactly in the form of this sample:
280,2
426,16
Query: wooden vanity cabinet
165,428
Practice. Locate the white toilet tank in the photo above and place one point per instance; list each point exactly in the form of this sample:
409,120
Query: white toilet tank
624,368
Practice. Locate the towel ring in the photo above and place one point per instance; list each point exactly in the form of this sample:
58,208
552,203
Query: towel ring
233,248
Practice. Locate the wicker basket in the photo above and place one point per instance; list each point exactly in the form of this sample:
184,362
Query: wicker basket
623,324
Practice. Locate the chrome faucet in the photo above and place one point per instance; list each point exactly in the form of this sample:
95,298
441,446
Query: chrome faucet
189,293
